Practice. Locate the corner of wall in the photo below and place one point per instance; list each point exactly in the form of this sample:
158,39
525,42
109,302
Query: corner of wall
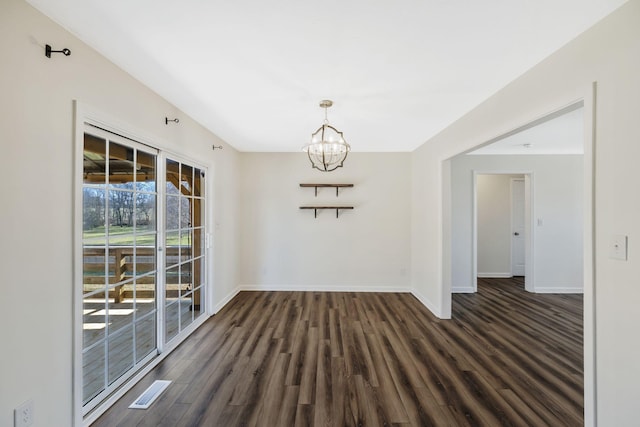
224,301
428,304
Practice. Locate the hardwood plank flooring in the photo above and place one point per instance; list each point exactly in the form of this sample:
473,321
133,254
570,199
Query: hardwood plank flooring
507,357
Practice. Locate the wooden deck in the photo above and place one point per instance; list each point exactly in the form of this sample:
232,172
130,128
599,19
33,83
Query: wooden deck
122,335
369,359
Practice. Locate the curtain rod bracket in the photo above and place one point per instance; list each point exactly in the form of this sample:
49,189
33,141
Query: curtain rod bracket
48,50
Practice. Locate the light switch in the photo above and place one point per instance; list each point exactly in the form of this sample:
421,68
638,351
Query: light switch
618,247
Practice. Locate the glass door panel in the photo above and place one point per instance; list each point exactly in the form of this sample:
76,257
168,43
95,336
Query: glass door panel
119,261
184,221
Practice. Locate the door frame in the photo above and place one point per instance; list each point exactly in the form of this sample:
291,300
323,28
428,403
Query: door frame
586,97
528,224
511,206
84,113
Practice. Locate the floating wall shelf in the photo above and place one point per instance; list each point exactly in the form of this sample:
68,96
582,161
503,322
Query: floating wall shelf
317,208
336,186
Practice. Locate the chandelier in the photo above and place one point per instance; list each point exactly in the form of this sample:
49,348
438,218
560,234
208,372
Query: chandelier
327,149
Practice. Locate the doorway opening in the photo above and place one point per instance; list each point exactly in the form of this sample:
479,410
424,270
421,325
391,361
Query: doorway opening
549,153
559,216
502,238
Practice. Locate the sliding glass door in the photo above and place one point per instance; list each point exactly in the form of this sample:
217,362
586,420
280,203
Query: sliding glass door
143,258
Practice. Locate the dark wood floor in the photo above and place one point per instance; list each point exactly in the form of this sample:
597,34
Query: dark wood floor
349,359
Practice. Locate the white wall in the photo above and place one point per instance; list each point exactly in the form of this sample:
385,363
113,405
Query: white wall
558,202
494,225
284,247
225,226
36,189
36,171
609,54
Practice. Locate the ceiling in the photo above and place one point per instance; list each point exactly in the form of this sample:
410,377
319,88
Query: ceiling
254,71
563,134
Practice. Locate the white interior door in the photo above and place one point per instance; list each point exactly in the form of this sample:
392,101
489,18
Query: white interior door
517,227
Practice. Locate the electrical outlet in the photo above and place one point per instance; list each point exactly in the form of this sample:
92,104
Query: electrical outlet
618,247
23,414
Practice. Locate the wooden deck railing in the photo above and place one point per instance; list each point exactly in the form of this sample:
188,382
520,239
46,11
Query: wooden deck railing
119,267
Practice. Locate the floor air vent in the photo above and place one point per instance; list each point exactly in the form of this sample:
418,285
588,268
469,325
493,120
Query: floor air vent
150,394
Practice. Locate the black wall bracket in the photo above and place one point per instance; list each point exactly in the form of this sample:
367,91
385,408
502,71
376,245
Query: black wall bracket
48,50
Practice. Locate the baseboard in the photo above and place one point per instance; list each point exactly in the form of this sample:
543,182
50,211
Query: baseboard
323,288
558,290
427,303
462,290
495,275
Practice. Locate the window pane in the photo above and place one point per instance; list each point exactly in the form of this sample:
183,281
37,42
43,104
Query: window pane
173,180
93,239
198,274
145,172
145,212
186,315
197,295
198,180
186,278
94,160
93,367
120,258
121,210
93,211
197,215
145,256
145,302
172,248
172,283
172,239
198,242
121,166
172,320
186,180
121,237
185,212
120,314
120,354
93,321
186,240
172,214
145,337
94,269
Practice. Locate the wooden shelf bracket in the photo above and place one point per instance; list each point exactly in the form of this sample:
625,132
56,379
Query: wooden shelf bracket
317,208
